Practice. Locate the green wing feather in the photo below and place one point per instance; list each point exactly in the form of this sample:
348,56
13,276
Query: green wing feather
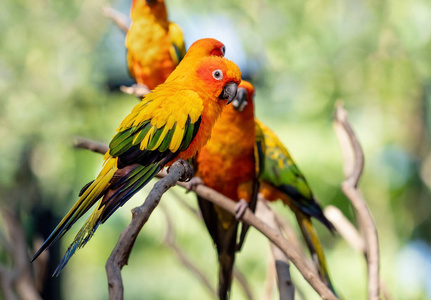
178,47
281,172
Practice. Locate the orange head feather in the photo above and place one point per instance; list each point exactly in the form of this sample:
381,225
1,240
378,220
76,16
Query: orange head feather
213,71
147,7
206,47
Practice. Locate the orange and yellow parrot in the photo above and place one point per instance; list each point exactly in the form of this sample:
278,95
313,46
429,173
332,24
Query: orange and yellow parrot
227,164
281,179
173,122
154,45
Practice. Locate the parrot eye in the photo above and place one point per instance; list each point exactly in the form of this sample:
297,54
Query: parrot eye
223,50
218,74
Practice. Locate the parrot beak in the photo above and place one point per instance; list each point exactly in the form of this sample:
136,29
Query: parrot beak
240,101
149,2
229,92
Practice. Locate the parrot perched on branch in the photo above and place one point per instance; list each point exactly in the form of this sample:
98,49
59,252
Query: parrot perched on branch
173,122
281,179
154,45
227,163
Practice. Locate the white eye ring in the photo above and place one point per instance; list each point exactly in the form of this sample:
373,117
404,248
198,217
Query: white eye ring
218,74
223,50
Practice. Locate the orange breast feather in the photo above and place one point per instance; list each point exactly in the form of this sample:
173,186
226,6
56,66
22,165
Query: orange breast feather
226,163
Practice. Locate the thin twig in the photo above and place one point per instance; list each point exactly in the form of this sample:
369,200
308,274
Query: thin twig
186,205
276,238
291,236
5,243
120,19
271,273
140,215
21,275
236,272
119,256
286,288
349,187
353,238
240,278
138,90
83,143
187,263
345,228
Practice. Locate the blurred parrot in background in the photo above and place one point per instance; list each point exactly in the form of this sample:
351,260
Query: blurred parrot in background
173,122
281,179
227,164
154,45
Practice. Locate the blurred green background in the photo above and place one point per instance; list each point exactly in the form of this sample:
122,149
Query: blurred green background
61,63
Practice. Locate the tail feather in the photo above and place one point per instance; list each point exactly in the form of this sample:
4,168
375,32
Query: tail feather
123,184
83,236
226,262
87,199
315,247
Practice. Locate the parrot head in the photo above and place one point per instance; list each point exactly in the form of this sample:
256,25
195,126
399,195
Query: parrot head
219,76
141,8
244,96
214,75
206,47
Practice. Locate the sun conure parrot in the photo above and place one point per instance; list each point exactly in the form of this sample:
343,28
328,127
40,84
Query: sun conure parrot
173,122
227,164
154,45
281,179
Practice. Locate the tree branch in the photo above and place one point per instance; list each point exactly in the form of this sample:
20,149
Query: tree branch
236,272
138,90
83,143
20,275
353,238
120,19
187,263
239,276
140,215
349,187
286,288
122,250
345,228
276,238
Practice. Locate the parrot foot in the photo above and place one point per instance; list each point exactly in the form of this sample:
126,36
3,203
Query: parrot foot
240,209
193,183
188,170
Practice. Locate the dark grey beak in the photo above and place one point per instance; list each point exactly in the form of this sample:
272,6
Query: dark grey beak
149,2
240,101
229,92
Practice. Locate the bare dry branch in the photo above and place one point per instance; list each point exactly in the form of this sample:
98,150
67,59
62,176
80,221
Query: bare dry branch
276,238
122,250
119,18
140,215
186,205
349,187
286,288
187,263
138,90
20,276
271,274
239,276
83,143
345,228
236,272
353,238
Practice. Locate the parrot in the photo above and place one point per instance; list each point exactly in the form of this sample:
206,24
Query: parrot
154,45
282,180
173,122
227,163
